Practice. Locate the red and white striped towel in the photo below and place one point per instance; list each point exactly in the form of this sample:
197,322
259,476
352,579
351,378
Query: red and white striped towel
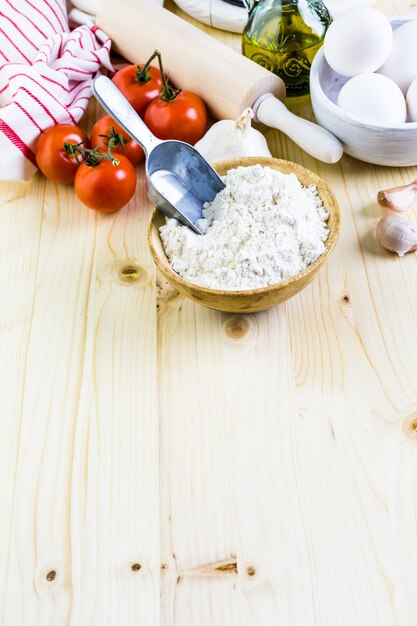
46,74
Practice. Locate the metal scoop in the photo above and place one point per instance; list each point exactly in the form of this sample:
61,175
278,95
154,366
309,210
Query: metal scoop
178,179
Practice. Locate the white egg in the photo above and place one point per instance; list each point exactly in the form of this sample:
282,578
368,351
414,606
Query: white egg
373,99
358,41
401,65
412,102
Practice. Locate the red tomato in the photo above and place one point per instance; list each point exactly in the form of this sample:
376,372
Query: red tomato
138,85
51,156
183,118
106,187
121,143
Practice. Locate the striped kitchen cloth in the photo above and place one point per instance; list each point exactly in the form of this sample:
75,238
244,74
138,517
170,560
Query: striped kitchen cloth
46,73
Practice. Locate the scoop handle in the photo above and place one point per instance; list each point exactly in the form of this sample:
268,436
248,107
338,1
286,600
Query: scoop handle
116,105
314,139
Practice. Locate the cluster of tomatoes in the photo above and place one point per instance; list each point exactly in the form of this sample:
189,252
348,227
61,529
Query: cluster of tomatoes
102,167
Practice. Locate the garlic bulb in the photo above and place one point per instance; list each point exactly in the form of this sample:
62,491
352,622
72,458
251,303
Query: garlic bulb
230,139
398,199
396,235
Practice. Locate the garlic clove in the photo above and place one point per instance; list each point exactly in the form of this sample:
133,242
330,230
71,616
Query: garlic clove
396,235
398,199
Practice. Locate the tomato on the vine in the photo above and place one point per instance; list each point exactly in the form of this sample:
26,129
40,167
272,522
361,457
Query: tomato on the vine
105,131
140,84
176,114
184,117
106,184
51,156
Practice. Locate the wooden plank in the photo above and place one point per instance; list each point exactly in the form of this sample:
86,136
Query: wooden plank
353,561
79,424
386,325
215,424
19,245
46,320
114,489
114,517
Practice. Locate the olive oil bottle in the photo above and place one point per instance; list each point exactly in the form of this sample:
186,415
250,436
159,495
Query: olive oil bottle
284,36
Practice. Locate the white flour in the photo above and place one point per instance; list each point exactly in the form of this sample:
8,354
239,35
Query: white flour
261,229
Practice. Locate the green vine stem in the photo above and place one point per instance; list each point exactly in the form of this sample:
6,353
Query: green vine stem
89,156
167,93
142,74
115,139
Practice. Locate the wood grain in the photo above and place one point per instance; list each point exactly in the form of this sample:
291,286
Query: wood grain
162,463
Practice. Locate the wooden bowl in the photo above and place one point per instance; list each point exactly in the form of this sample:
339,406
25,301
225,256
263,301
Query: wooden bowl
382,145
249,301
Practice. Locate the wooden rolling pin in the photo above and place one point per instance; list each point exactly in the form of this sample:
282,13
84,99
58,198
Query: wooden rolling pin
227,81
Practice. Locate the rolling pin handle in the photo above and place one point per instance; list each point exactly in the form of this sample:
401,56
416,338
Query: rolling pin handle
119,109
312,138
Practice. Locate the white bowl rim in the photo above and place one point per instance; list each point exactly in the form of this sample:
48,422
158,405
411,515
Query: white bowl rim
314,79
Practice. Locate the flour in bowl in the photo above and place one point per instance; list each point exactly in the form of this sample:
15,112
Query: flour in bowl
261,229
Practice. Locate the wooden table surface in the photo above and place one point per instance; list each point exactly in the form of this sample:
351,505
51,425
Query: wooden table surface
161,463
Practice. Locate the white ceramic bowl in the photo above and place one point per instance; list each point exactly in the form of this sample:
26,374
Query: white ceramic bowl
383,145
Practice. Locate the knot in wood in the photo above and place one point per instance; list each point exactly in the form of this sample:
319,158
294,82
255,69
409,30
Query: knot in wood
51,576
227,568
136,567
173,294
345,299
237,327
409,425
130,274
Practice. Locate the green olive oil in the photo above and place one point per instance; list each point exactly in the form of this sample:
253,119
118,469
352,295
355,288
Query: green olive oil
283,36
